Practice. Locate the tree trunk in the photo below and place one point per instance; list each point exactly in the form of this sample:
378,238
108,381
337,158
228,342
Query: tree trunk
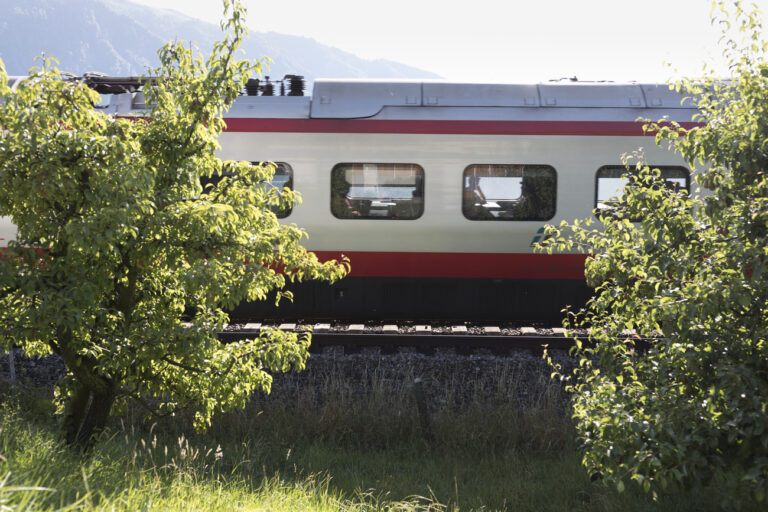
86,415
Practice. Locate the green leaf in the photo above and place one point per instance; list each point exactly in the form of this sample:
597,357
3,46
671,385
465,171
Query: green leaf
125,253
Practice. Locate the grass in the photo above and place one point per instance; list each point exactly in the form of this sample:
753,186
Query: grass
496,440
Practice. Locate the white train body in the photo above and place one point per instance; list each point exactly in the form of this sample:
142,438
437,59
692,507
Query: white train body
440,257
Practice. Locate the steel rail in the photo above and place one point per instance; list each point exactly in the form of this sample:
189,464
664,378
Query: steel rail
393,342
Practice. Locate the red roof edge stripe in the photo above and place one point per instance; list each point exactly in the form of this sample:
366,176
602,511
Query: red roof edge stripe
605,128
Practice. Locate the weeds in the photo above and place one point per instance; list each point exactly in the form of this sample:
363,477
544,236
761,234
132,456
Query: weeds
351,401
345,436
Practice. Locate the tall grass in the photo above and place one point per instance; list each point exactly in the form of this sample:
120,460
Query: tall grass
347,435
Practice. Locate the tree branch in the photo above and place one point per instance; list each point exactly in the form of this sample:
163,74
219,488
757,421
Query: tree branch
182,365
124,391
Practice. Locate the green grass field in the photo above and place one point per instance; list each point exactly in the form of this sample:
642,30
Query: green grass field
333,445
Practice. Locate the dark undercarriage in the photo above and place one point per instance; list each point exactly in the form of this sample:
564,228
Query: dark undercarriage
388,298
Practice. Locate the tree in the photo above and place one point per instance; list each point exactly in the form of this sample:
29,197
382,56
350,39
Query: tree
124,265
691,408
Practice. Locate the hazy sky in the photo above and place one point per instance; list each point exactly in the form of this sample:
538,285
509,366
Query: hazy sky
500,40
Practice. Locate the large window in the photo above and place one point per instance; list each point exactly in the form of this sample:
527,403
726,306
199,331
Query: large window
509,192
377,191
611,180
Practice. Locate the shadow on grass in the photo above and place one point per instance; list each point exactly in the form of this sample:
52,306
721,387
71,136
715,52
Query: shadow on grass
346,435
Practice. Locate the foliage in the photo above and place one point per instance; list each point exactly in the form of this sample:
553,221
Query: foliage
124,264
273,456
691,408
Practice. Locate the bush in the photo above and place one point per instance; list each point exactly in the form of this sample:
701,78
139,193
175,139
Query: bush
692,408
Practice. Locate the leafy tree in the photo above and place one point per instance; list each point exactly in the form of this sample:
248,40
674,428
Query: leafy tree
691,409
124,265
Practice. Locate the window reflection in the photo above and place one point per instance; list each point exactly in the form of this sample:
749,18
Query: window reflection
283,178
612,179
377,191
509,192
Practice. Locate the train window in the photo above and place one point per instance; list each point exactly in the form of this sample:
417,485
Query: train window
283,178
377,191
611,180
509,192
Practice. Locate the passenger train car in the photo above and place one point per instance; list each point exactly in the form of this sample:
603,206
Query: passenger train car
437,191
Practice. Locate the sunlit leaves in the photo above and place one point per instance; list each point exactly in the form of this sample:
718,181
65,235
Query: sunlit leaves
691,409
124,264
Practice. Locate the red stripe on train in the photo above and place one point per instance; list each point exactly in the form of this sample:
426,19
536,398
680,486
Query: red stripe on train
605,128
461,265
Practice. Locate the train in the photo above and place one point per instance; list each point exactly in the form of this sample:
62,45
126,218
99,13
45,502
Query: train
437,191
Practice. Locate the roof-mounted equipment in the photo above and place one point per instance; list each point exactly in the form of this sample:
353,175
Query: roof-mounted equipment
266,87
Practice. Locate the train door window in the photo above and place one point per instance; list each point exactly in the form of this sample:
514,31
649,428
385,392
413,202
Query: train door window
283,178
377,191
611,180
509,192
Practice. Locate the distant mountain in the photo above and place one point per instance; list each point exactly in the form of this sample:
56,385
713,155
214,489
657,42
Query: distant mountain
121,38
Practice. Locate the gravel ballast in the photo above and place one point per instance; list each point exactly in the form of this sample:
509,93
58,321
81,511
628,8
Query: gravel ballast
445,376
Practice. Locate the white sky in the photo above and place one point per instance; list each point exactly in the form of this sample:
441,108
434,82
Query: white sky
500,40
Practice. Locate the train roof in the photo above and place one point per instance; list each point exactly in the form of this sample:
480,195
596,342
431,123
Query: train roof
358,98
430,99
423,99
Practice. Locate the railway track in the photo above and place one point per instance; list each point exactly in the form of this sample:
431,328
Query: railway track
424,338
